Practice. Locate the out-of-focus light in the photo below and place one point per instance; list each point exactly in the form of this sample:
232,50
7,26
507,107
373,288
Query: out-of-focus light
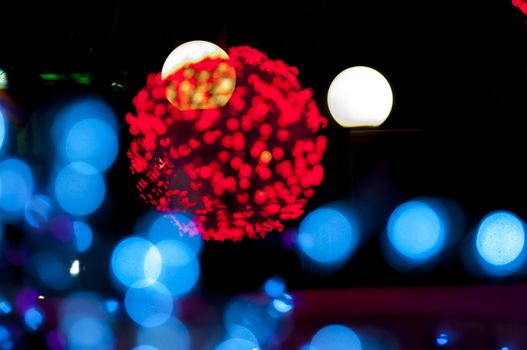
253,316
4,82
5,306
36,211
75,268
135,259
53,270
90,333
500,238
360,96
150,305
274,286
498,248
504,348
180,266
16,185
198,88
176,226
6,343
33,318
83,236
442,339
237,344
171,335
283,304
417,232
81,306
79,188
79,109
336,337
112,305
41,297
328,235
91,141
240,332
190,52
3,129
145,347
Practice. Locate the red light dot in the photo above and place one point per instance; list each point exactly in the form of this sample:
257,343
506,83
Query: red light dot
205,172
264,173
278,153
266,130
247,123
292,180
309,193
233,124
223,156
313,158
242,198
245,170
244,183
227,141
260,197
236,163
283,135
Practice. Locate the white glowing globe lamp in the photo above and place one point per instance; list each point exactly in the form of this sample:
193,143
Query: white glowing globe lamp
191,52
360,96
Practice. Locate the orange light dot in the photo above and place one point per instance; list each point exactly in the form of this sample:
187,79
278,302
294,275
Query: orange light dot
266,157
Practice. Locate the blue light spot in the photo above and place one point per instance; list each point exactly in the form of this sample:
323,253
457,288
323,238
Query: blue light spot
417,231
336,337
81,306
176,226
501,238
85,108
112,306
92,141
83,236
328,235
2,129
79,188
90,333
36,211
283,303
135,259
241,332
504,348
53,270
171,335
149,306
254,316
237,344
5,306
16,185
33,318
274,286
442,339
145,347
5,339
180,268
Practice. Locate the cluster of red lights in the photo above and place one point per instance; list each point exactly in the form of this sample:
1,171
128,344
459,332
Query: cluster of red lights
521,4
240,169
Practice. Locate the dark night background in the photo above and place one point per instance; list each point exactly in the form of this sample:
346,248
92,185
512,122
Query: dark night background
457,69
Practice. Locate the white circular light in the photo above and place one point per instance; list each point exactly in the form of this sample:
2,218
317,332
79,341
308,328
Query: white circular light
191,52
360,96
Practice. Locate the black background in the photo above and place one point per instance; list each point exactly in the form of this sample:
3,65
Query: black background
457,69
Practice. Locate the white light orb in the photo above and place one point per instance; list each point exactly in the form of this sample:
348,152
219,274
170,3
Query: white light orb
199,88
360,96
191,52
